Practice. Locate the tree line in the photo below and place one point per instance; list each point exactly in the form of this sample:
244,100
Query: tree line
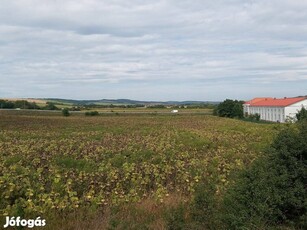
24,104
230,108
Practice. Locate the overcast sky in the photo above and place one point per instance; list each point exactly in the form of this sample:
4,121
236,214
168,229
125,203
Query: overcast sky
153,49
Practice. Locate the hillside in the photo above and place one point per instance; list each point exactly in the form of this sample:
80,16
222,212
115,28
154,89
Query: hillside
126,101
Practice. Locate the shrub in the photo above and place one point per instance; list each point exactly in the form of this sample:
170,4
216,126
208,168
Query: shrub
175,218
272,191
204,210
253,117
92,113
65,112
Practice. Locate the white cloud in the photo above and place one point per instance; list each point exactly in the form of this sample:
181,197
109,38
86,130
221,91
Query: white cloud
163,44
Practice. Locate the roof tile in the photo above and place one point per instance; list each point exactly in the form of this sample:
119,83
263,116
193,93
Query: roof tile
280,102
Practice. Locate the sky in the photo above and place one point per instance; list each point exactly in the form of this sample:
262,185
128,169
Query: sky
153,49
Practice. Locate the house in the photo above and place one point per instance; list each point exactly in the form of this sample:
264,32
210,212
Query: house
273,109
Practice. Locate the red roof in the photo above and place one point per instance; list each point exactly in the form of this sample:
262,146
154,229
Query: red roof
277,102
257,99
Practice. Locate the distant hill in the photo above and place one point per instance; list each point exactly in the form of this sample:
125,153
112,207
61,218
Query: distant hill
126,102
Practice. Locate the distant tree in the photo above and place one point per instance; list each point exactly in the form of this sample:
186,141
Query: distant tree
230,108
160,106
50,106
6,104
65,112
24,104
302,114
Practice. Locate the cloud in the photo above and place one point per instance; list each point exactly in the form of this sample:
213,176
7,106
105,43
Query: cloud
153,49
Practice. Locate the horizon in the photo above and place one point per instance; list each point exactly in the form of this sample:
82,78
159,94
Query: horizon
99,99
162,50
146,101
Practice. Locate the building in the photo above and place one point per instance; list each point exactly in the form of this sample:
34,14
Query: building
272,109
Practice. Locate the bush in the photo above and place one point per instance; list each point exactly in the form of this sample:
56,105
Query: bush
272,191
65,112
204,209
92,113
175,218
202,213
253,117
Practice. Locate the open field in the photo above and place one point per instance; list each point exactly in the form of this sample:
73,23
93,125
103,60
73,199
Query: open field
50,163
153,110
115,111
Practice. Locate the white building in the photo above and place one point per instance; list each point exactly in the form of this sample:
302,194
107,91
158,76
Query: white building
272,109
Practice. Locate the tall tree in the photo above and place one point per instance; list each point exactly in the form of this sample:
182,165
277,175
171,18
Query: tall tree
230,108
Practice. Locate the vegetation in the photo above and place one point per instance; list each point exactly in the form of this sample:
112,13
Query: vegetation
272,191
104,106
92,113
124,172
23,104
50,106
302,114
65,112
157,106
252,117
6,104
230,108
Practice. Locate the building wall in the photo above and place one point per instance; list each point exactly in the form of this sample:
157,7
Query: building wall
292,110
276,114
245,108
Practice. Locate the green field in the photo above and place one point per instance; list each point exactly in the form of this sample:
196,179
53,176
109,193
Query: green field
124,171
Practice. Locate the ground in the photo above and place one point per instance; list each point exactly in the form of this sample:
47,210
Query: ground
53,164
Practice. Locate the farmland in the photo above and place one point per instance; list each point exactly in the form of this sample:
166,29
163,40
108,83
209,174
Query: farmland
52,164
